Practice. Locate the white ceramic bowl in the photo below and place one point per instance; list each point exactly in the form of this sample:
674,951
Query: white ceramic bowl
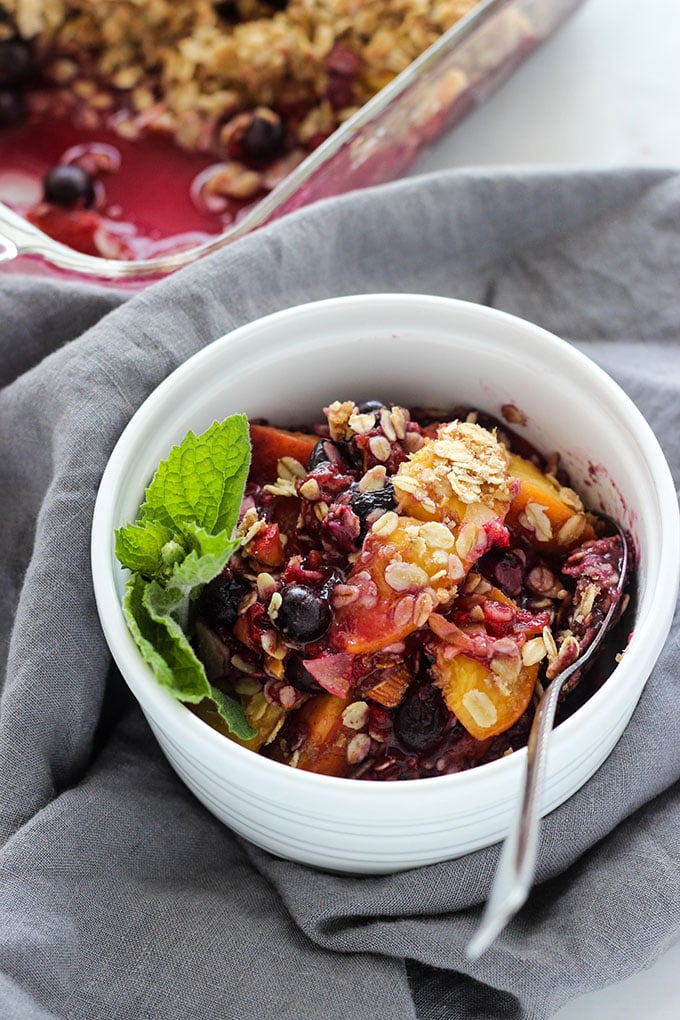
411,349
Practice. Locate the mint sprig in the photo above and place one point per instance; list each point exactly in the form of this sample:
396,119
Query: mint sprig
181,540
202,480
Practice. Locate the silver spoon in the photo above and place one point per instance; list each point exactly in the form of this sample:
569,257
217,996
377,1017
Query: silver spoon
515,871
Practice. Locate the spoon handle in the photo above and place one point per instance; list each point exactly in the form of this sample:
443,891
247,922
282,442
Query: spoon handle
517,863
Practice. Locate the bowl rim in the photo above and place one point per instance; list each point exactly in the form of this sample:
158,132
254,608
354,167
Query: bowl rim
648,637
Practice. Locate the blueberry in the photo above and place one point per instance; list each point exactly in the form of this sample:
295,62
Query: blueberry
325,452
220,599
300,678
303,615
506,569
263,138
371,407
366,503
16,64
12,108
319,454
508,572
228,11
68,185
421,718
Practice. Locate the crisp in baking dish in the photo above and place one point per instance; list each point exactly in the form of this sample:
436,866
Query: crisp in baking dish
136,138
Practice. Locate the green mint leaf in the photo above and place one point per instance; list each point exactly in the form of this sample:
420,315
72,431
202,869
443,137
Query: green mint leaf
162,602
165,648
173,552
206,544
202,480
199,567
139,547
162,642
232,712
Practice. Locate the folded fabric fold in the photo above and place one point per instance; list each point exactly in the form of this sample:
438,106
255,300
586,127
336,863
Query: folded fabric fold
120,896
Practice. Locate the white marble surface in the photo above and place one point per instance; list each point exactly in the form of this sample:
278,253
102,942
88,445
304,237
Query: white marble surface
605,91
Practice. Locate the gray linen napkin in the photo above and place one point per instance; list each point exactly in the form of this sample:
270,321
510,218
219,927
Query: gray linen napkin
120,896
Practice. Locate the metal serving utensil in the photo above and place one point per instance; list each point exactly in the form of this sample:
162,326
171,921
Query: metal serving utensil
516,867
19,237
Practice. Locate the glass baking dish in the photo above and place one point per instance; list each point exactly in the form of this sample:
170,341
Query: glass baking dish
377,144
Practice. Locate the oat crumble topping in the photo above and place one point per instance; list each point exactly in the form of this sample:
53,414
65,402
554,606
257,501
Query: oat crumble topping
465,461
187,69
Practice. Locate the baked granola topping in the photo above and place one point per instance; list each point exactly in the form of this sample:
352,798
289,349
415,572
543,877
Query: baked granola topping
464,463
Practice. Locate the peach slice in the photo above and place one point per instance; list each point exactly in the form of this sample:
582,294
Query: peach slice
324,749
264,717
550,516
270,445
484,702
406,569
487,681
453,494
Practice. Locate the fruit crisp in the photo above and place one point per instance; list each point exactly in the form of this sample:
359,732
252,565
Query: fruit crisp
404,585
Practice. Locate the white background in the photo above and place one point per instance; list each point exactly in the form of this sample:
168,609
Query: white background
604,91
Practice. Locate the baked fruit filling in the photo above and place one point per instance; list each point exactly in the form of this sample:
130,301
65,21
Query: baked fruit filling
404,586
